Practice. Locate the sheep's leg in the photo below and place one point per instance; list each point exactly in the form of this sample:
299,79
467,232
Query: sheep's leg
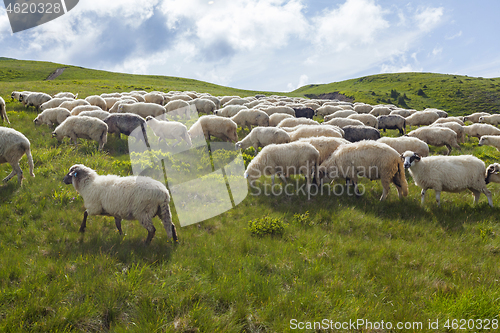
422,196
9,177
438,197
84,222
148,224
449,149
488,195
166,218
282,176
386,188
118,223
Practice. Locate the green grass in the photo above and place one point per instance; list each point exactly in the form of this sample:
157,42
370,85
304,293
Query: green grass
335,257
456,94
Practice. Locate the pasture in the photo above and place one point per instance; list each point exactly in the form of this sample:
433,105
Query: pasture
334,257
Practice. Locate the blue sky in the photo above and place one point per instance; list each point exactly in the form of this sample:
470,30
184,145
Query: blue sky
272,45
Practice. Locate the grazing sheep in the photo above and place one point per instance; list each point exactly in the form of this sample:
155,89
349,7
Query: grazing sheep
81,108
311,105
401,112
422,118
247,118
13,145
454,126
448,173
363,108
66,94
3,111
142,109
292,122
236,101
139,98
124,198
478,130
169,130
82,127
111,95
358,133
326,110
380,111
404,143
225,99
493,173
114,108
303,112
52,116
370,159
96,114
70,105
214,99
54,103
474,118
279,109
37,99
23,97
204,106
307,131
285,159
366,119
494,119
440,113
97,101
263,136
154,98
325,145
392,121
490,140
220,127
340,114
437,136
111,101
230,110
276,118
342,122
126,123
178,107
458,120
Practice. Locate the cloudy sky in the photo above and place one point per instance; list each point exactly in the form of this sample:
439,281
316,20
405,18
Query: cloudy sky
275,45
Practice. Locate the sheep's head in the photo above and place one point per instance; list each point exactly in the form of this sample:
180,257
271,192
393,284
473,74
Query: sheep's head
410,158
237,145
493,173
57,135
149,118
77,173
37,120
482,141
481,119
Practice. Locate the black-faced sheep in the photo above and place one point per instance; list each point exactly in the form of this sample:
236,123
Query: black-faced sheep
13,145
449,174
124,198
369,159
359,133
392,121
437,136
263,136
82,127
493,173
220,127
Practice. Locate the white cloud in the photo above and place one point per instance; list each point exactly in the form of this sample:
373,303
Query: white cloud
458,34
437,50
429,18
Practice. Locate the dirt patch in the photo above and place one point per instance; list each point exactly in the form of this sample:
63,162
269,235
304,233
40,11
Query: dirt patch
332,95
55,74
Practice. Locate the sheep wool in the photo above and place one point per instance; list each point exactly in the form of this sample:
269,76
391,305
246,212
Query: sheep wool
220,127
490,140
404,143
13,145
52,116
3,111
82,127
124,198
251,117
169,130
437,136
263,136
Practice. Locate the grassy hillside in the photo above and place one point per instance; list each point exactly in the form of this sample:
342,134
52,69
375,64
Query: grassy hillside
328,257
453,93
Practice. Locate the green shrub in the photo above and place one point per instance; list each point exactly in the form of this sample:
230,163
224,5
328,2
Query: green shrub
267,225
303,219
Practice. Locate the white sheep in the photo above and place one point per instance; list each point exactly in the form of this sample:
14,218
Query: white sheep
54,103
124,198
474,118
139,98
110,101
380,111
478,130
275,118
66,94
325,145
3,111
97,101
493,119
37,99
230,110
247,118
363,108
341,122
279,109
99,114
448,173
169,130
153,98
369,159
493,173
111,95
52,116
307,131
225,99
236,101
402,112
340,114
422,118
437,136
82,127
326,110
204,106
81,108
490,140
367,119
285,159
214,99
458,120
404,143
178,107
220,127
70,105
263,136
142,109
292,122
454,126
13,145
114,108
440,113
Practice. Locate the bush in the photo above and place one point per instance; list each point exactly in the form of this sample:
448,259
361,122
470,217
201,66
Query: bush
267,226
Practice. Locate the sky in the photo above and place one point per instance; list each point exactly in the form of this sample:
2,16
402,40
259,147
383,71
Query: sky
270,45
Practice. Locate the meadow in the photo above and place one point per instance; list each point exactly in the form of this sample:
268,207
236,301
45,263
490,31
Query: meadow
268,263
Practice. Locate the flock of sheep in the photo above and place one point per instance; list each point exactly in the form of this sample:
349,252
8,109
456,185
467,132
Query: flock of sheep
345,144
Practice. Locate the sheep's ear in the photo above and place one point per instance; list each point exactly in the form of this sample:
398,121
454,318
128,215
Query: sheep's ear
53,134
491,169
417,156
